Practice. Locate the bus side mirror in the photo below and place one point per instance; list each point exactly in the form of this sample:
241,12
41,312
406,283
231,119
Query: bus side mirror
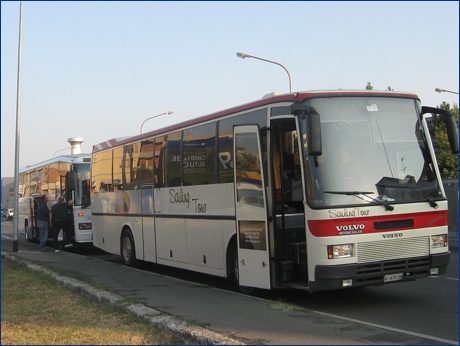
452,133
313,130
451,125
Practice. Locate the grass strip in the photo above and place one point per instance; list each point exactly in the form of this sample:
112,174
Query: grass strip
36,310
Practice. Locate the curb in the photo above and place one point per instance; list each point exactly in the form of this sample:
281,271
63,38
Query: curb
168,323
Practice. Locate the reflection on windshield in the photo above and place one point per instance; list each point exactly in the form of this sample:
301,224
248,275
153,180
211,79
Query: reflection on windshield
248,170
373,145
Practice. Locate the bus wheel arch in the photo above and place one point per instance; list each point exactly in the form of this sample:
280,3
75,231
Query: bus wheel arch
127,248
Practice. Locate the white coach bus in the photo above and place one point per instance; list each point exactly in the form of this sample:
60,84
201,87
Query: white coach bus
314,190
65,175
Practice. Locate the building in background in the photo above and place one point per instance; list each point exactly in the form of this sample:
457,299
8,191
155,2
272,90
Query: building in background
8,192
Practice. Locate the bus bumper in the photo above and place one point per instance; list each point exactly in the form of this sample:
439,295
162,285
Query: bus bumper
372,274
440,261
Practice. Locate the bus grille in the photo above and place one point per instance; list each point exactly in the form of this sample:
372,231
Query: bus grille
391,249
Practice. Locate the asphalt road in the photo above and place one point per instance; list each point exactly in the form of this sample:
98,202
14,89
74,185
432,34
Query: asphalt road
428,306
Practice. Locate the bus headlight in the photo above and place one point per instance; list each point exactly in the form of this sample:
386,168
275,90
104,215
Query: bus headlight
339,251
439,240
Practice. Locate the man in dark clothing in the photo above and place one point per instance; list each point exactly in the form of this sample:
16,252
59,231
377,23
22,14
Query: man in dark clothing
58,220
43,216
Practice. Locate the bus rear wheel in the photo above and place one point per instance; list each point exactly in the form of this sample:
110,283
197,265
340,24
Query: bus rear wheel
128,251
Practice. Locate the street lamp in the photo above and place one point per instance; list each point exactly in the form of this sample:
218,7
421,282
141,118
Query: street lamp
242,56
60,150
439,90
155,116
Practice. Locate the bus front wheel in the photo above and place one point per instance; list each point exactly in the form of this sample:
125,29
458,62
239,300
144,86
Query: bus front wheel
236,275
26,232
128,252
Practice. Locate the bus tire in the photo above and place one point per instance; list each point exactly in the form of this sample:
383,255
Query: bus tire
64,238
127,248
26,232
236,275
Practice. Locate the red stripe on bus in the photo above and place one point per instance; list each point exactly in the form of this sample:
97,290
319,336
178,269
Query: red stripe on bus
365,225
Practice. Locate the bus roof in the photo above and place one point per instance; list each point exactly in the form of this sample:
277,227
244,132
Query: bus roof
265,100
72,158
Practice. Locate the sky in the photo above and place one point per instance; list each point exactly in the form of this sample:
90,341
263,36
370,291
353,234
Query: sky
97,70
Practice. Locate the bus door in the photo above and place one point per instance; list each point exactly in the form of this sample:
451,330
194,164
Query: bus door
251,208
148,223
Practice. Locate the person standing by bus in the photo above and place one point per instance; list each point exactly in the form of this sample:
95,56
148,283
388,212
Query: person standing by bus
58,220
43,216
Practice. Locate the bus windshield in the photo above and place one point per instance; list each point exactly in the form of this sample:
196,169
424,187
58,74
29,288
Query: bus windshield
373,152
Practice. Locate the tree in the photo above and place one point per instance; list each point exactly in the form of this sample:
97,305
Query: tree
447,161
369,86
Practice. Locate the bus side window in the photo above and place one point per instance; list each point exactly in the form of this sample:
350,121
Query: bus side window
277,172
199,155
158,158
172,160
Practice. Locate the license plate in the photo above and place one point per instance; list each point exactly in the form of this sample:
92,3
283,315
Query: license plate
392,277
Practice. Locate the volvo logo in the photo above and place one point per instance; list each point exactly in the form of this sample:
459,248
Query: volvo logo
350,227
392,235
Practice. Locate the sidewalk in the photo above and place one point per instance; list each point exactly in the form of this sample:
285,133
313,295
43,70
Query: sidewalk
201,315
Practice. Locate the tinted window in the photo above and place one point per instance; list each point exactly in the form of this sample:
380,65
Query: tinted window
117,170
225,159
248,172
142,162
171,160
101,174
160,142
199,155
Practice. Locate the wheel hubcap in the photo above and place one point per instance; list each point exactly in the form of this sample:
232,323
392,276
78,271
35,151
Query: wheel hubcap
127,249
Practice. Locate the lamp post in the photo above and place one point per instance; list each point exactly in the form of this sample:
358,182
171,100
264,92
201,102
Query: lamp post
155,116
439,90
16,151
243,55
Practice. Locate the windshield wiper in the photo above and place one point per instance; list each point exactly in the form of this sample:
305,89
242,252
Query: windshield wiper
364,193
433,204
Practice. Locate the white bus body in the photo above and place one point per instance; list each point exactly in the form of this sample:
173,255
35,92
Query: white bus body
66,175
314,190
